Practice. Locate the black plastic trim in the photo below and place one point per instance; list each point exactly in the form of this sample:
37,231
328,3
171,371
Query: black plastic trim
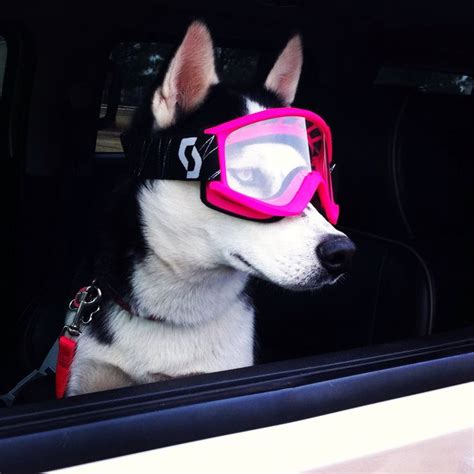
150,416
159,427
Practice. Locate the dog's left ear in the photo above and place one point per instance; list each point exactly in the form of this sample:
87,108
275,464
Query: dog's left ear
285,74
189,77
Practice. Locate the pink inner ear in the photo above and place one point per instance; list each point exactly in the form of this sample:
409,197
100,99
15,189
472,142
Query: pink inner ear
194,70
285,74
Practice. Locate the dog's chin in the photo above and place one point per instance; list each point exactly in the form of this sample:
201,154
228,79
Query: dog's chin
313,282
316,280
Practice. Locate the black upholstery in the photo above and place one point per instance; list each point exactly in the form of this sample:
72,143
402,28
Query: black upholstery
435,169
381,138
434,163
364,121
65,216
405,189
386,297
389,294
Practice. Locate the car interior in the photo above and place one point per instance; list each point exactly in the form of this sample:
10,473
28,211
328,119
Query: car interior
394,81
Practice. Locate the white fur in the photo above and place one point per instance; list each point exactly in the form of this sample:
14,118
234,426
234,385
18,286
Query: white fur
193,279
148,349
253,107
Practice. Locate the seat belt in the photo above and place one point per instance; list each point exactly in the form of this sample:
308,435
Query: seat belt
59,358
48,367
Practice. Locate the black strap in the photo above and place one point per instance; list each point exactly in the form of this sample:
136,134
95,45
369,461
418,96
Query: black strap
172,157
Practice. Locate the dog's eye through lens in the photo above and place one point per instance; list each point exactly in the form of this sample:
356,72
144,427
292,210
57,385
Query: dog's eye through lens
268,160
252,181
246,176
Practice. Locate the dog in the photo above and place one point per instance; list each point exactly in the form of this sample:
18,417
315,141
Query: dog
184,267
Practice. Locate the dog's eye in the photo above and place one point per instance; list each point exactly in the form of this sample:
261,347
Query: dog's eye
246,176
250,181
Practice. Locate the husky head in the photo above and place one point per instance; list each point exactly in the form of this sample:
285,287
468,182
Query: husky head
303,252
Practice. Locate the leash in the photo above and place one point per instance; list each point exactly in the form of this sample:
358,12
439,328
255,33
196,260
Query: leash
82,310
84,306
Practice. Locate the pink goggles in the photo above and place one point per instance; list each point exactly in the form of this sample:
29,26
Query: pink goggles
263,166
271,164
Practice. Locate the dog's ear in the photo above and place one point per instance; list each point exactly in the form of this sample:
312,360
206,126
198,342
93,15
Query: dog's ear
189,77
285,74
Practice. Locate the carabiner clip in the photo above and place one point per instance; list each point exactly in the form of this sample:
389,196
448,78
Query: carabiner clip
85,304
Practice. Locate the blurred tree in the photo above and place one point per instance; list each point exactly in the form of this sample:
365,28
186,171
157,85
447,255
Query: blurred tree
139,63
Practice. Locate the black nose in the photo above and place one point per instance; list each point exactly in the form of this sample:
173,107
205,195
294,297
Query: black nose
336,254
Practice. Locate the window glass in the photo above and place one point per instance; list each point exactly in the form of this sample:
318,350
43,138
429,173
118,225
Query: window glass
427,81
135,67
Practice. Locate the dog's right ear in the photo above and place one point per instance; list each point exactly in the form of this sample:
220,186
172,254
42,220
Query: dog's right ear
189,77
285,74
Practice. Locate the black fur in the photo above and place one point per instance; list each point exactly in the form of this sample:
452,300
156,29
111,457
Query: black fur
99,327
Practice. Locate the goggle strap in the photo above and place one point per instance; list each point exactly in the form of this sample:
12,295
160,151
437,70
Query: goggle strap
171,157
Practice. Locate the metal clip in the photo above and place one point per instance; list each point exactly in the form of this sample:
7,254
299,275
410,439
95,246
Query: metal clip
85,304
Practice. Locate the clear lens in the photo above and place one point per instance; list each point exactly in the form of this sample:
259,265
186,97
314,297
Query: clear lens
269,160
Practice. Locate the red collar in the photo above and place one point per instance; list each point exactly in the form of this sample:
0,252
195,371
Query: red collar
119,301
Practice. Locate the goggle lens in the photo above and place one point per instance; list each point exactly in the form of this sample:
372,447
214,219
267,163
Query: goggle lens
268,160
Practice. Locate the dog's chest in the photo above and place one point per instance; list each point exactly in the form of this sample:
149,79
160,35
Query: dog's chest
144,348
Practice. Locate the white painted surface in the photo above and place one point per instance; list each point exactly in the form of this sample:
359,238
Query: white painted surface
317,442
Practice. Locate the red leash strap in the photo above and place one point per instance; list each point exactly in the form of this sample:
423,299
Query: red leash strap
85,305
67,349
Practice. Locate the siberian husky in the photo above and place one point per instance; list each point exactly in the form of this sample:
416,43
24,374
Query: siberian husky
179,269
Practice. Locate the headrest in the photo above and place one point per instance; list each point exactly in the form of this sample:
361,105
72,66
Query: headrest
403,158
363,122
434,163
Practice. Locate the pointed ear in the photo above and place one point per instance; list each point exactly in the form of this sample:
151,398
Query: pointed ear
285,74
189,77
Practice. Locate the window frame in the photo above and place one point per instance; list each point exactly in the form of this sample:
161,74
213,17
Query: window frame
114,423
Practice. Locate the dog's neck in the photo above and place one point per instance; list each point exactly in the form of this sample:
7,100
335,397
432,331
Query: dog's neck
187,297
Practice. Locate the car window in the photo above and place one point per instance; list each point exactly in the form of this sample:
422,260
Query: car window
3,62
135,66
433,82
